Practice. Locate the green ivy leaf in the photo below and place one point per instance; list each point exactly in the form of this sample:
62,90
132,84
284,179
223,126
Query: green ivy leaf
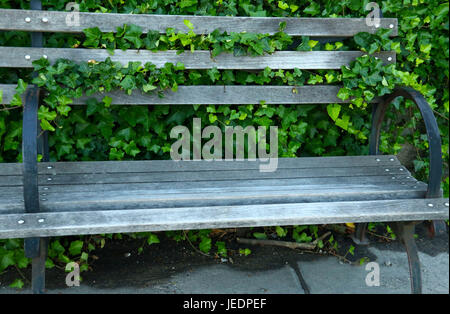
188,24
152,239
344,93
133,34
17,283
205,245
333,111
313,9
259,235
344,122
21,86
46,126
45,114
75,247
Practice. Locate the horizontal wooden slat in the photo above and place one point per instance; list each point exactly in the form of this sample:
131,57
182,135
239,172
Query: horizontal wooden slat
8,91
314,183
217,95
96,196
230,95
125,199
116,173
194,176
312,60
145,166
142,220
94,190
328,27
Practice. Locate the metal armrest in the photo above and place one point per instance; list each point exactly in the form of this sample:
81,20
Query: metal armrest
434,138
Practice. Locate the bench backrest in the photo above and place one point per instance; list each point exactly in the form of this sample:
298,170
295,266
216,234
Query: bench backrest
328,28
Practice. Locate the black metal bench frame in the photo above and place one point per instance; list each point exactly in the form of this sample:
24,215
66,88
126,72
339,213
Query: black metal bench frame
35,142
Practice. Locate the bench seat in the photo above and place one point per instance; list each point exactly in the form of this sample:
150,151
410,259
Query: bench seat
133,196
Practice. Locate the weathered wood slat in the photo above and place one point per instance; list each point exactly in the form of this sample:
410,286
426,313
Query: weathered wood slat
305,183
313,60
216,95
144,166
204,197
119,196
99,191
8,91
57,22
142,220
194,176
230,95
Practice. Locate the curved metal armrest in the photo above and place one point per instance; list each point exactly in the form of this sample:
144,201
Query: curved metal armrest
434,138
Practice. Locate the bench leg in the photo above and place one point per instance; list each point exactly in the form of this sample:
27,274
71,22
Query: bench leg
37,249
360,237
405,232
436,228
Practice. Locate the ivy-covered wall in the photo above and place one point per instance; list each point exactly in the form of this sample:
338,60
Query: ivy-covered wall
100,132
422,47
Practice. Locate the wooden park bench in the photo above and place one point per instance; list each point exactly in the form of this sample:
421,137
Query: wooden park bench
48,199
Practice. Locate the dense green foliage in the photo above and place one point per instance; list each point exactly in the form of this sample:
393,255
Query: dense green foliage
99,131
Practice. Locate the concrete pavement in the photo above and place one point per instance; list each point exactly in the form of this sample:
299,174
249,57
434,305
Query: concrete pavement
267,270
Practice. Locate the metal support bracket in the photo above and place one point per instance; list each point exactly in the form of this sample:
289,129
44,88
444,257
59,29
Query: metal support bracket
35,248
405,233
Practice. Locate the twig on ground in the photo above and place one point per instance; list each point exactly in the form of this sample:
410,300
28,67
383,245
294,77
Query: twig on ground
291,245
10,108
187,238
341,257
380,236
22,275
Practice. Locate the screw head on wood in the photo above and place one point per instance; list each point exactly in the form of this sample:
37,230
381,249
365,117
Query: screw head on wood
20,222
27,57
401,169
45,57
387,170
391,25
446,204
27,19
41,220
391,159
430,205
49,167
49,179
378,159
389,58
45,20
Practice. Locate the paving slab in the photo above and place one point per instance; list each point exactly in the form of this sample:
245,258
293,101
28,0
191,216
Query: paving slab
214,279
328,275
